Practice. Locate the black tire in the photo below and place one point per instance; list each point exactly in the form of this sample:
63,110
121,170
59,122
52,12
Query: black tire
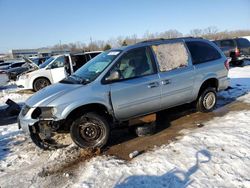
44,144
207,100
90,131
40,83
145,130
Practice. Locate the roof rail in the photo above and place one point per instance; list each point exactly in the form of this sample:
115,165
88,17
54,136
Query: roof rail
161,39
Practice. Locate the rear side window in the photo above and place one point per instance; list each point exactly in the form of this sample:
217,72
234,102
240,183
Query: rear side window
171,56
243,42
227,43
17,65
202,52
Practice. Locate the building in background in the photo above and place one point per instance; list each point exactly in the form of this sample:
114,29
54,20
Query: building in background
43,52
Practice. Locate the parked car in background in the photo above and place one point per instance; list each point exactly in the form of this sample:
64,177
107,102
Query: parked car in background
237,49
14,65
121,84
53,70
11,64
28,65
4,66
246,37
4,79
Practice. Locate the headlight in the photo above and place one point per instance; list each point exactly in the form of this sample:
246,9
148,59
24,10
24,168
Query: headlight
24,76
25,110
44,112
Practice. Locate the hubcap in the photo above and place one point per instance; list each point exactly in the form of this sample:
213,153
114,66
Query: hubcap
90,131
209,100
41,84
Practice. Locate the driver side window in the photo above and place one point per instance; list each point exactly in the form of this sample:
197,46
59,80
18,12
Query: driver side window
135,63
59,62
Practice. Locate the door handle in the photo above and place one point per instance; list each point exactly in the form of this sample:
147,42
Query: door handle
165,82
153,84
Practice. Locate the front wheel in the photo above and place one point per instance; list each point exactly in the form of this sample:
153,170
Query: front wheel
207,100
90,131
40,83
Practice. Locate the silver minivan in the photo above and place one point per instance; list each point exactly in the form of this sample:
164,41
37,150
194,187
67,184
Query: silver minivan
125,83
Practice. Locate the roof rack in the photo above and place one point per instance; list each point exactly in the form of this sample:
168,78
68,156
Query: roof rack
161,39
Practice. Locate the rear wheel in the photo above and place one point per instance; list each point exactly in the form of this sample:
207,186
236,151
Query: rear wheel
40,83
90,131
207,100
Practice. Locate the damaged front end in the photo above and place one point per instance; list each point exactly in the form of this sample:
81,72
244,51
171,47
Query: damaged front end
45,130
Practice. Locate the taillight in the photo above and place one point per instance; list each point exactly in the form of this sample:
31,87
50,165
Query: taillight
237,52
226,63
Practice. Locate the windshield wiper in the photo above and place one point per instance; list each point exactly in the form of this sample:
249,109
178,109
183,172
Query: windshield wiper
80,79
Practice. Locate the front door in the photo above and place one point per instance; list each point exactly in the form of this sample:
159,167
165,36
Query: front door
57,69
137,90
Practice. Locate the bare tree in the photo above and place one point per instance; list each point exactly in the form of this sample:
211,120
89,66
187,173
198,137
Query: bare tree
107,47
172,33
196,32
210,32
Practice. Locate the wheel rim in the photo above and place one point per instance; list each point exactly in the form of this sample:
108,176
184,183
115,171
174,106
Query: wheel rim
91,131
209,100
41,83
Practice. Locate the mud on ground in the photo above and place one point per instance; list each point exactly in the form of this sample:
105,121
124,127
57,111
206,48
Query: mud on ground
177,119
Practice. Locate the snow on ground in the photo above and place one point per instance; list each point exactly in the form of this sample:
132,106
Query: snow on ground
13,93
216,155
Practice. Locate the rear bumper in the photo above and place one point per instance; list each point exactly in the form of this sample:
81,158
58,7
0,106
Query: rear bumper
224,83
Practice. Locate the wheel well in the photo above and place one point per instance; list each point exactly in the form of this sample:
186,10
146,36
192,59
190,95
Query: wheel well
212,82
95,107
39,78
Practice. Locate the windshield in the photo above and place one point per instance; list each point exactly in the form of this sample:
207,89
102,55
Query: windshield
48,61
91,70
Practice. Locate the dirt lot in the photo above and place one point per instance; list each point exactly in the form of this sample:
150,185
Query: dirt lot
177,119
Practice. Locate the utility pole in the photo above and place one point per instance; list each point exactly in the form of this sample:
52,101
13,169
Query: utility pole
60,44
90,46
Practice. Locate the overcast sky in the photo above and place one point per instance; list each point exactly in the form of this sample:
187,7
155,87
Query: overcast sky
40,23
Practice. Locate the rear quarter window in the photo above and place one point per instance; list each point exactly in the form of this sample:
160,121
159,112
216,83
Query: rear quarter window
202,52
243,42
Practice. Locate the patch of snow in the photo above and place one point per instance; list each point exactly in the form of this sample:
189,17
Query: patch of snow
216,155
239,83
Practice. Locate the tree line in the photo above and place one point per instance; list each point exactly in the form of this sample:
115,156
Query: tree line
211,33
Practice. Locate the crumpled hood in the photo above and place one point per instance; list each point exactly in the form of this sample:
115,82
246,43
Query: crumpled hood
50,93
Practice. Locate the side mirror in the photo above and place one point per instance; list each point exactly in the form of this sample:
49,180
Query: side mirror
113,76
